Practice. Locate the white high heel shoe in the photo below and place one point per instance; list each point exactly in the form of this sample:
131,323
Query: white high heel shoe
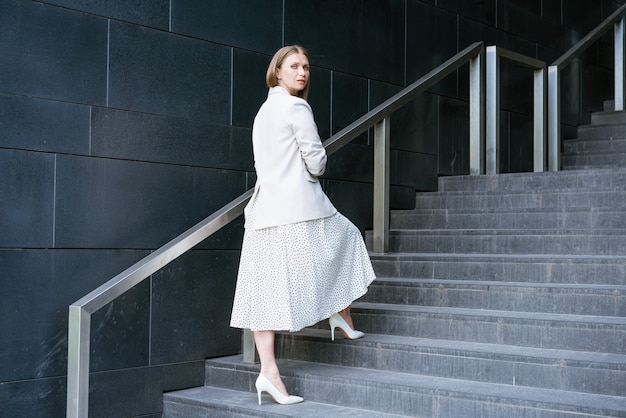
264,385
336,321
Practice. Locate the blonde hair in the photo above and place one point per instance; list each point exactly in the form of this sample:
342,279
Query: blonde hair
276,62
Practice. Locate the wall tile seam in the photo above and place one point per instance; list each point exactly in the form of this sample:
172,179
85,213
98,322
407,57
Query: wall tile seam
169,31
97,15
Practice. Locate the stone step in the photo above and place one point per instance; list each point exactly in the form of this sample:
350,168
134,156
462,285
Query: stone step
510,241
608,118
582,161
540,199
600,334
536,268
574,218
215,402
409,394
598,300
602,131
594,179
495,363
597,146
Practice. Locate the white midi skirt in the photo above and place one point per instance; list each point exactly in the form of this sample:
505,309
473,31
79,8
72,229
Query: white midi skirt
293,276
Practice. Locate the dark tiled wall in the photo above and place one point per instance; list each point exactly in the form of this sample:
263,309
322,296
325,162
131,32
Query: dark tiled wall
125,122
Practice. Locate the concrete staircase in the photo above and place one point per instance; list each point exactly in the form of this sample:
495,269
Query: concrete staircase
503,296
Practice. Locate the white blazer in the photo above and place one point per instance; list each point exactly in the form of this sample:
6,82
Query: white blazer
288,157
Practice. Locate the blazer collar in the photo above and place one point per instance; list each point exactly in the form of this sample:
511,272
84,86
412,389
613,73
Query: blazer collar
278,90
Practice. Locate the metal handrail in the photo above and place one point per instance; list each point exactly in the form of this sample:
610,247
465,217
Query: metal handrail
492,128
616,19
81,310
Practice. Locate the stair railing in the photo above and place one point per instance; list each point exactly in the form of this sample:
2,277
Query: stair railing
492,122
554,98
79,326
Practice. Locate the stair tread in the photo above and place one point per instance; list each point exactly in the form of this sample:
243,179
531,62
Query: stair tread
506,231
489,313
507,211
566,258
471,349
242,402
501,284
399,381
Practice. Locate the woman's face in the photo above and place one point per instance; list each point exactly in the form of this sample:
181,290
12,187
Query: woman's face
293,74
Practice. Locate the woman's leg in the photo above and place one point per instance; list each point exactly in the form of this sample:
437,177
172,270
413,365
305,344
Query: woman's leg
345,314
264,341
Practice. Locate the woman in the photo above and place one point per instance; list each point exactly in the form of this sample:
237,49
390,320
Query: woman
301,260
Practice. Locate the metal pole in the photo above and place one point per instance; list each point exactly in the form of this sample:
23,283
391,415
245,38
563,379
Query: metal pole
492,115
381,186
619,65
477,114
539,120
78,363
248,347
554,119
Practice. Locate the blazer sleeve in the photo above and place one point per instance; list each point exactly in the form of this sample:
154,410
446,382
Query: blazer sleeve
305,130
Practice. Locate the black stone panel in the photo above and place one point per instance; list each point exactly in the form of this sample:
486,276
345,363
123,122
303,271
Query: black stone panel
578,15
523,21
484,11
37,288
597,86
27,203
516,87
571,92
138,392
229,237
414,127
34,398
453,144
191,306
401,197
551,10
121,331
379,92
427,48
104,203
354,200
520,143
156,72
531,6
416,170
504,146
365,38
43,125
154,13
320,100
53,53
249,88
255,26
145,137
353,162
350,102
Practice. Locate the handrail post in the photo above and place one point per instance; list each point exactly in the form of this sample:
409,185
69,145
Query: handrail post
539,119
619,65
381,186
492,115
248,347
477,114
78,362
554,118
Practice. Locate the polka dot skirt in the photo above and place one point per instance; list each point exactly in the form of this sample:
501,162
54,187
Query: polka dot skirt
293,276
